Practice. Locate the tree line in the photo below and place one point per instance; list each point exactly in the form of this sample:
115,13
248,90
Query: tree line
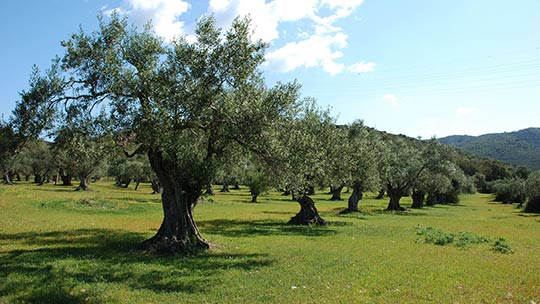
189,113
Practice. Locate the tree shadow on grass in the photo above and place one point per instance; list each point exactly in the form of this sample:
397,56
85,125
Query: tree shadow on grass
408,212
66,265
237,228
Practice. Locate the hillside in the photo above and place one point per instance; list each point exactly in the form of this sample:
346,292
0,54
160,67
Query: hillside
520,148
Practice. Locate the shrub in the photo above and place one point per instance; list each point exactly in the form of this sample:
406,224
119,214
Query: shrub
502,246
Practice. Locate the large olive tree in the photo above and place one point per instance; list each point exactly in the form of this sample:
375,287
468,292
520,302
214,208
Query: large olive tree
182,104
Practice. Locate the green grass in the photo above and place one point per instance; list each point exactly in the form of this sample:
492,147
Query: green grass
61,246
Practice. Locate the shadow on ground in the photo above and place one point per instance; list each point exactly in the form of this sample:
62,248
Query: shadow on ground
67,266
237,228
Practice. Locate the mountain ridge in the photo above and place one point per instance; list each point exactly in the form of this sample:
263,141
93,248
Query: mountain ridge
520,148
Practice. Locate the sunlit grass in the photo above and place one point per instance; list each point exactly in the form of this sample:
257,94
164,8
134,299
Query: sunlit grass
61,246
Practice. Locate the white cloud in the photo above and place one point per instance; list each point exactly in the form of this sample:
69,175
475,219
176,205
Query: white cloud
463,112
391,99
362,67
320,46
164,15
312,52
265,16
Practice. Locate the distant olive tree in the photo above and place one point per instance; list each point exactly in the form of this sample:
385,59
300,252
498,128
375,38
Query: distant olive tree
532,187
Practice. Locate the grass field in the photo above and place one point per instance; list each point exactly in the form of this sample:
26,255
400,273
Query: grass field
61,246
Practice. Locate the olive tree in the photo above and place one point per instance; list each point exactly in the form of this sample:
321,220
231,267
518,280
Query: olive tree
365,150
8,148
304,158
182,104
406,161
532,187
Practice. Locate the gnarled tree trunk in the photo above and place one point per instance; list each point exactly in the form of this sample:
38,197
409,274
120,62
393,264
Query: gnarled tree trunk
83,183
254,197
336,193
178,233
395,196
66,178
355,197
308,214
7,178
156,186
418,199
225,188
381,194
209,189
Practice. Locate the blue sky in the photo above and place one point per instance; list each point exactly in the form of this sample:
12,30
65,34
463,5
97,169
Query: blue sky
414,67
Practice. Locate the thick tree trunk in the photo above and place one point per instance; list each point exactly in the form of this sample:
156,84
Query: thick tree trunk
126,183
310,190
395,196
254,197
355,197
286,193
236,186
66,179
308,214
209,189
83,184
381,194
37,178
225,188
27,178
533,205
418,199
336,193
7,178
156,186
178,233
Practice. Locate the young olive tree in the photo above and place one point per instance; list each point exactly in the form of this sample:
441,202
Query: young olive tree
182,104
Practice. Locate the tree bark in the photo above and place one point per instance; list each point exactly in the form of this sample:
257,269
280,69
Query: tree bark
381,194
83,183
418,199
310,190
395,196
336,193
254,197
156,186
137,183
225,188
236,186
355,197
178,233
308,214
66,178
7,179
37,178
209,189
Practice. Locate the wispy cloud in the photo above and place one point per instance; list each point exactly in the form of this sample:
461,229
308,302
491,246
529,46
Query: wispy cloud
391,99
362,67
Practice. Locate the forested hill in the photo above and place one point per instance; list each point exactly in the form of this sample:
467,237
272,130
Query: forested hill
517,148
